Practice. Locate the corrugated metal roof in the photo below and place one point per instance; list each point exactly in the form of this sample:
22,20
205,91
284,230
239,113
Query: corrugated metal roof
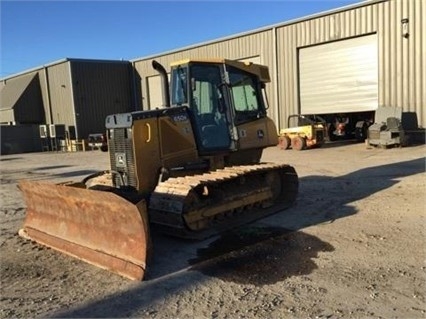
13,90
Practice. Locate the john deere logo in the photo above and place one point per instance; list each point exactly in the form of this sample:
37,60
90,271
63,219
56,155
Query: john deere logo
120,159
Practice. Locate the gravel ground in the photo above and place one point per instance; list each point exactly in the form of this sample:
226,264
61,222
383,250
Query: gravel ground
352,246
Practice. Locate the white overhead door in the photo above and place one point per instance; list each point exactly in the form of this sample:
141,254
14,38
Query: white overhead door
339,77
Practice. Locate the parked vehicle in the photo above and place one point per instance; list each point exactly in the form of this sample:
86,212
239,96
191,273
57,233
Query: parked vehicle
348,125
98,141
303,132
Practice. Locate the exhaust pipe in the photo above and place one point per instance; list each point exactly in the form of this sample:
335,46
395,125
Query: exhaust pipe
164,81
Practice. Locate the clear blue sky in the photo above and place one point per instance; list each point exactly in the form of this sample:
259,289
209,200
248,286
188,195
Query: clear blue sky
34,33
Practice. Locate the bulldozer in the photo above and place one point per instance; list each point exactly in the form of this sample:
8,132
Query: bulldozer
189,168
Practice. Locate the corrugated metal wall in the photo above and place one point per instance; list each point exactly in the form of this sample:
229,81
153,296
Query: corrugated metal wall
21,100
100,89
402,69
19,139
78,93
44,93
59,92
29,108
401,60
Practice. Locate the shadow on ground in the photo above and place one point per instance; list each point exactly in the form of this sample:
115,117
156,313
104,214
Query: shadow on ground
256,253
42,174
260,255
9,159
51,167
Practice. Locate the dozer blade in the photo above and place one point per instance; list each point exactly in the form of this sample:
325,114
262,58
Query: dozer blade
98,227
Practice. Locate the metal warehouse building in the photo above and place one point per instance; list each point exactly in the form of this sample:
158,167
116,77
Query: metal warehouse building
76,94
351,59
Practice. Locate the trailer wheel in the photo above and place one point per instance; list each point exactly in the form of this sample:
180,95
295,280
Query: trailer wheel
284,142
298,143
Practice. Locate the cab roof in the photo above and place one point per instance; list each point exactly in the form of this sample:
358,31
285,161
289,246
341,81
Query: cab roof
262,71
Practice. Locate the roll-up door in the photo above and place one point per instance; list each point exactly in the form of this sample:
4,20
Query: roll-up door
339,77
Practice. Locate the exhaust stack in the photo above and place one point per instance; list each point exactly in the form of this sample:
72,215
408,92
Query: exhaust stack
164,81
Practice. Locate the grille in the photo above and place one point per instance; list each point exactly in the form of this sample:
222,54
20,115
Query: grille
374,135
121,156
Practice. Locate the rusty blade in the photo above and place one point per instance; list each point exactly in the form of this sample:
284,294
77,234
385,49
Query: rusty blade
98,227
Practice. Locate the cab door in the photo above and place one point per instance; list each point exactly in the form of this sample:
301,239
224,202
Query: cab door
213,130
255,129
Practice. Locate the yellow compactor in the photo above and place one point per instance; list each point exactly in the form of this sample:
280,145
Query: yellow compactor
190,168
303,132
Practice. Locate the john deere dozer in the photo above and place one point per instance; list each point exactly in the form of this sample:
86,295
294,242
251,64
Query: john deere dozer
191,168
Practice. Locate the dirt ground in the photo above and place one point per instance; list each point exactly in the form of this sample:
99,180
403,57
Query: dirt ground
353,246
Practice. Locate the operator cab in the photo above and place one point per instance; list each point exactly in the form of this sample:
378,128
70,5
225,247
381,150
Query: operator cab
219,97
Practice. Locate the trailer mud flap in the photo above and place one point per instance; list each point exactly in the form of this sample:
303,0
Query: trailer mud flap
98,227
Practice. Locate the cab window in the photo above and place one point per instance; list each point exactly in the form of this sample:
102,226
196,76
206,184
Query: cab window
244,88
179,94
